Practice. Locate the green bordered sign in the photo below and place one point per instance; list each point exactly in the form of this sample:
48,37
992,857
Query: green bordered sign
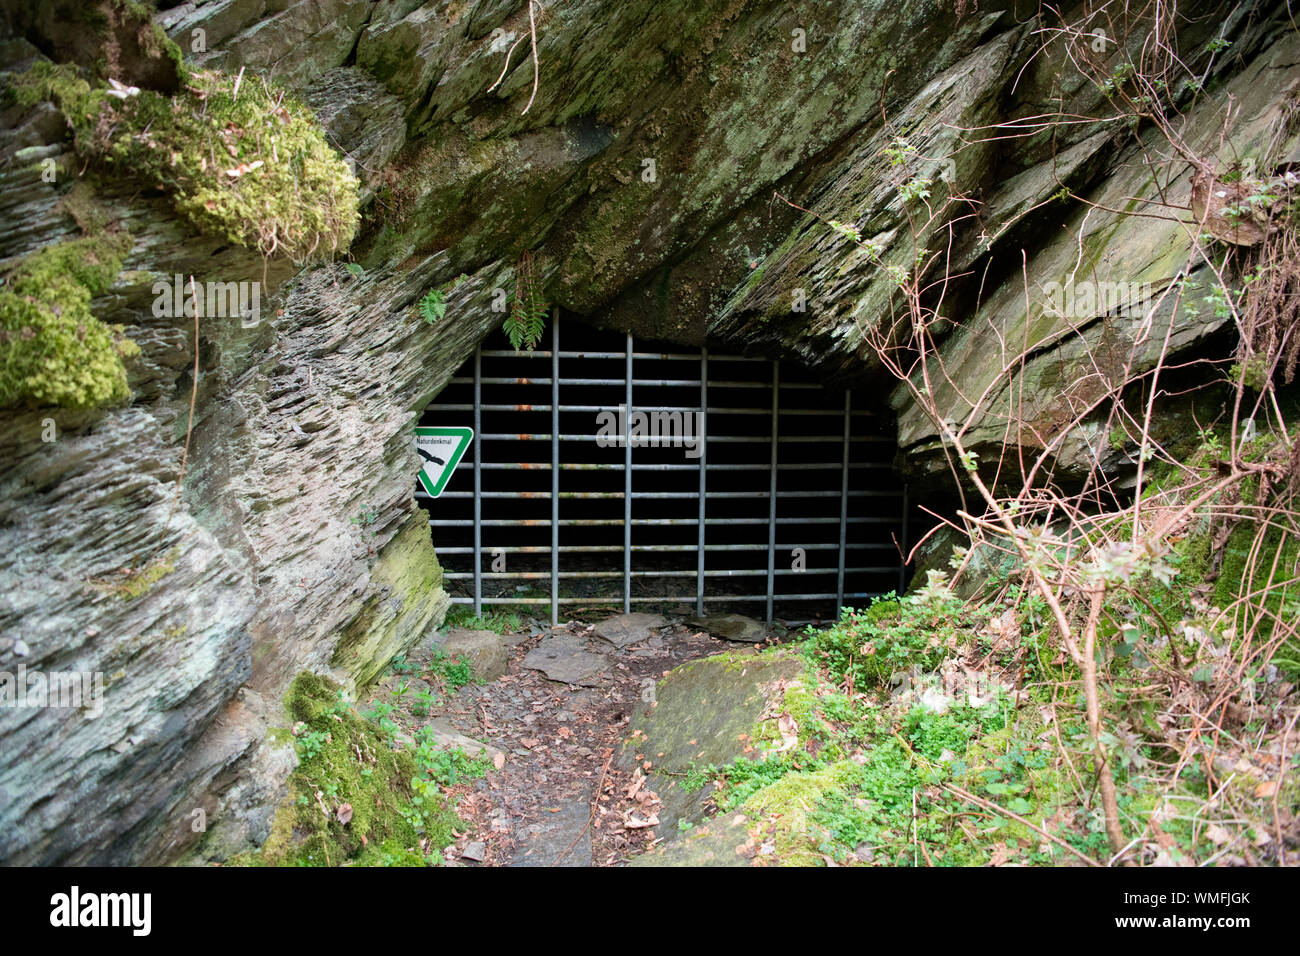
441,450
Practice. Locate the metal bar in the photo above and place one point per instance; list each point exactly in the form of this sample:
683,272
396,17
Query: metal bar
601,466
844,500
555,466
704,496
771,511
672,598
881,439
525,380
671,356
611,548
627,491
713,573
762,495
653,442
478,481
678,522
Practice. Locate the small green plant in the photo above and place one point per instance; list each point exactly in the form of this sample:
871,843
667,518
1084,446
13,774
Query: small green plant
1121,75
497,621
433,306
458,674
310,742
865,647
380,715
849,232
899,151
445,766
915,189
454,673
424,701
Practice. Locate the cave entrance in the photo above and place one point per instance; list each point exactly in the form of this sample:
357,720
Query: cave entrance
789,507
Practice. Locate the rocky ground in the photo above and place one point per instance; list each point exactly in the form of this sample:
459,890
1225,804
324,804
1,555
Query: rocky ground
549,711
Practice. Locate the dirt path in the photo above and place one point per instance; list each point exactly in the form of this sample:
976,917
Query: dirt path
560,743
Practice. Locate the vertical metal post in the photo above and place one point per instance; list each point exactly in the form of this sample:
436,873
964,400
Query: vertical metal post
555,466
771,495
704,455
627,488
844,503
478,481
902,560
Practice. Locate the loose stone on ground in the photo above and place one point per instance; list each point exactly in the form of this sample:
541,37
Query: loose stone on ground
564,657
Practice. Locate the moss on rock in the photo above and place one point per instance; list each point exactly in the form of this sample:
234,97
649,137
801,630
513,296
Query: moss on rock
352,799
242,159
53,351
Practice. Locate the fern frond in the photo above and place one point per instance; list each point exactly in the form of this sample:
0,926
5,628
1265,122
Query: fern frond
527,320
433,306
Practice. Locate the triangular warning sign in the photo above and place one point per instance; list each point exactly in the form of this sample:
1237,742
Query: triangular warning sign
441,450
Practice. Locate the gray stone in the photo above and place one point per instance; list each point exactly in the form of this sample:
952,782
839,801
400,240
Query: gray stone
475,852
565,658
482,649
628,628
733,627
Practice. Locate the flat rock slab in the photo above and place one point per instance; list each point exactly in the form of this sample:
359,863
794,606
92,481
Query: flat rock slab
704,712
565,658
484,650
629,628
448,737
733,627
558,839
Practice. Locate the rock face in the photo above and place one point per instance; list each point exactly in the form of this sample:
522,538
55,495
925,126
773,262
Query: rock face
642,176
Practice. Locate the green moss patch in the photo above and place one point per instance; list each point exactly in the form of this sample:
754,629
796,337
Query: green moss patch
53,351
353,799
132,584
241,158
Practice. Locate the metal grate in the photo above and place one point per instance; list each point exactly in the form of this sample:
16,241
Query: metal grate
539,513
